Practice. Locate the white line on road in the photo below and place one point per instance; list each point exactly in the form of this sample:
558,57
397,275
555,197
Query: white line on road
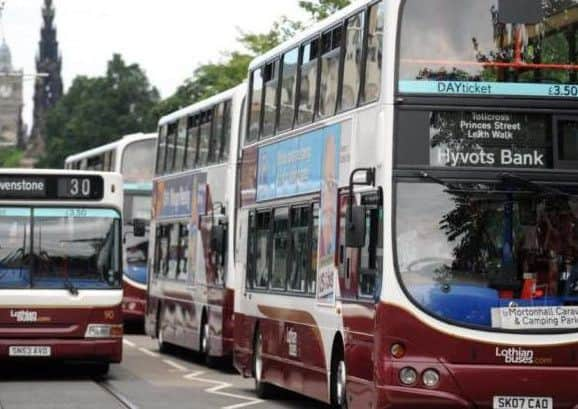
128,343
176,365
149,353
217,390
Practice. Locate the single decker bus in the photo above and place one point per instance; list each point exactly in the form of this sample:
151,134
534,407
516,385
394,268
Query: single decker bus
61,266
194,200
133,156
407,232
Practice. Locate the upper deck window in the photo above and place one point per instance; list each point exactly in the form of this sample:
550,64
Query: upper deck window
330,58
137,161
288,90
192,141
374,52
161,150
256,99
485,47
352,64
270,106
308,81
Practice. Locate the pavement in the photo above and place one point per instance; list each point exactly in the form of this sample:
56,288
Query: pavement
146,379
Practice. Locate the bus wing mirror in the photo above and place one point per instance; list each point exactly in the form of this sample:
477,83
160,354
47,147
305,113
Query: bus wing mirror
139,227
355,229
520,11
218,238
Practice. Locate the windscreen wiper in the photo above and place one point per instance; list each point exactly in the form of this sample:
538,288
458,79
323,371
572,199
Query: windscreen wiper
68,284
523,182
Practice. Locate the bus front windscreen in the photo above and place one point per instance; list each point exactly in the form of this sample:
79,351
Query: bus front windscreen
59,248
518,48
490,256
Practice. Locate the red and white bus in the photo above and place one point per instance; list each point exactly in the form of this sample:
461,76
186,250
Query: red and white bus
191,282
133,156
408,226
61,266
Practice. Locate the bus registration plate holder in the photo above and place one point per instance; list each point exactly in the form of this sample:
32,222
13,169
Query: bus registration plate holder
522,402
30,351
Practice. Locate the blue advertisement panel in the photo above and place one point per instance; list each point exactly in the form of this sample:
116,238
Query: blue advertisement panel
180,197
295,166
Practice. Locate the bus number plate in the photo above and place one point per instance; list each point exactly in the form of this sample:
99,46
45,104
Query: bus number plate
521,402
32,351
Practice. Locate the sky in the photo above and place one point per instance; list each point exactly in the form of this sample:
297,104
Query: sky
167,38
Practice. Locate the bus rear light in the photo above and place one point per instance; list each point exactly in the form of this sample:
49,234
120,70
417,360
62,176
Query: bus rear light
430,378
398,351
408,376
103,331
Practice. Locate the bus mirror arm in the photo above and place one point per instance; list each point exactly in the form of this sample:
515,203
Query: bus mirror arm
355,230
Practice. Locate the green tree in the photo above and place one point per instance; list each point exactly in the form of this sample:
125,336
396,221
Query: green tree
10,157
96,111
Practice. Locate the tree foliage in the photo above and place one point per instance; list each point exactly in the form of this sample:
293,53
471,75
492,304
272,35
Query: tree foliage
10,157
96,111
320,9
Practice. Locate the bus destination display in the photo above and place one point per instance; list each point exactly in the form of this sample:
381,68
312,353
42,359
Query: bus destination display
480,139
51,187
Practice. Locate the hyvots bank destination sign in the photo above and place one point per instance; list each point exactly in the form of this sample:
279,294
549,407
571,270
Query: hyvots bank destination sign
483,139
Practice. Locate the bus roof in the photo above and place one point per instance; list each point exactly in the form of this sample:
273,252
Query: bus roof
199,106
125,140
64,172
309,32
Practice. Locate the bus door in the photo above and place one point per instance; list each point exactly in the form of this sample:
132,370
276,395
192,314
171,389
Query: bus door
360,272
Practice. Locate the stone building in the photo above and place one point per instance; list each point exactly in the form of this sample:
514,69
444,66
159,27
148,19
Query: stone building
11,100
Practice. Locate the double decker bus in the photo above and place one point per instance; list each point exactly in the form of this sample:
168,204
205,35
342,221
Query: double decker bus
61,266
407,233
134,157
191,282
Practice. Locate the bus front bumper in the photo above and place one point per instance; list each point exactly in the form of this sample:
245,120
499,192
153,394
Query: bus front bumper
476,386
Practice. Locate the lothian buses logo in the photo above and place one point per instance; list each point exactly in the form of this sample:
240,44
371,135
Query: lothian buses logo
516,356
24,315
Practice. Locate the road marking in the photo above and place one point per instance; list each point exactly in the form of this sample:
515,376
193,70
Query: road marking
217,390
149,353
128,343
176,365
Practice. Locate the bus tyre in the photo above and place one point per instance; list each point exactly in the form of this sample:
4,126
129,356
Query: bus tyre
100,370
262,389
338,382
204,346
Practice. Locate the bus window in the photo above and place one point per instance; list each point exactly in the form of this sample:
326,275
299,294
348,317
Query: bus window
95,163
15,249
161,150
171,145
308,82
164,249
226,135
173,253
192,142
352,64
288,90
204,138
372,254
137,159
251,243
255,106
374,52
312,279
183,252
262,230
300,251
180,145
217,139
330,58
271,79
280,254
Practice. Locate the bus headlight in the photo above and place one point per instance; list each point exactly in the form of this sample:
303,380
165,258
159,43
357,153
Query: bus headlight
408,376
103,331
431,378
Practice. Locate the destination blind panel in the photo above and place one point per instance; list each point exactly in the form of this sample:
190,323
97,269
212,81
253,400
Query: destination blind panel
51,187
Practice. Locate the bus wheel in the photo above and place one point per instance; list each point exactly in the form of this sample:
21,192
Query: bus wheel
262,389
100,370
338,382
204,346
